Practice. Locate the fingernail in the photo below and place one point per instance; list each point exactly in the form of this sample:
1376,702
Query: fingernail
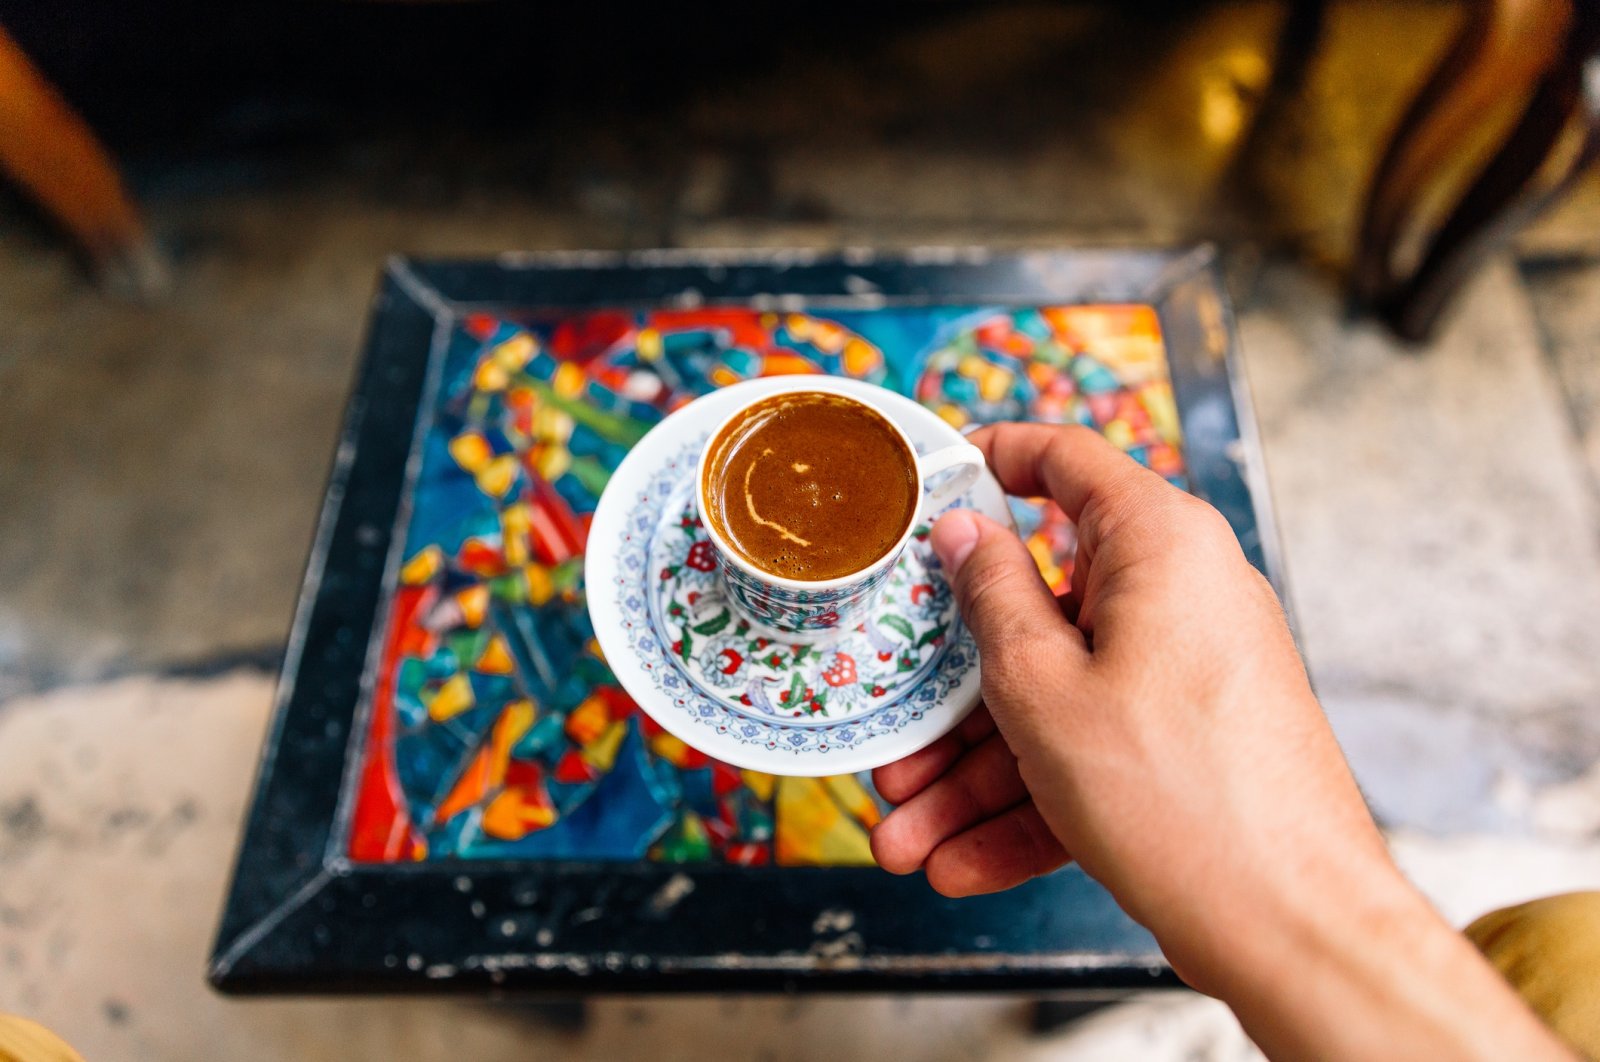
954,537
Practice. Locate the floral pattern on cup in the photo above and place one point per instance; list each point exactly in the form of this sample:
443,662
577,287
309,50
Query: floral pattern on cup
761,674
801,610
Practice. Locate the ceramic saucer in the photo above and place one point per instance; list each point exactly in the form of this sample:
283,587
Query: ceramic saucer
869,696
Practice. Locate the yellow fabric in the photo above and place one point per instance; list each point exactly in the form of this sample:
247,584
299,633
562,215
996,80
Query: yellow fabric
22,1040
1549,950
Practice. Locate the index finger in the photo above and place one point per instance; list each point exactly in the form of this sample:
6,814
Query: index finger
1069,463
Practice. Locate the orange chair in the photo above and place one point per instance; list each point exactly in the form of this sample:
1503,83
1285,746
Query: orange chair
47,149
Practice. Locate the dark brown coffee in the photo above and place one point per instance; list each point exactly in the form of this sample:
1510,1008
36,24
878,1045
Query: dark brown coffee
810,485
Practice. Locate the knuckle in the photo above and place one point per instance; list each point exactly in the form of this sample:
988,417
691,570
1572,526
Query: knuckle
1182,518
1066,443
1070,434
989,588
1133,496
979,579
1120,511
1206,517
1211,536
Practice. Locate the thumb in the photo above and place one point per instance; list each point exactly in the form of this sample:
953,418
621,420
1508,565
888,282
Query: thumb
1003,598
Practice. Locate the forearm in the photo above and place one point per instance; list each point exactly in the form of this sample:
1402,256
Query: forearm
1367,969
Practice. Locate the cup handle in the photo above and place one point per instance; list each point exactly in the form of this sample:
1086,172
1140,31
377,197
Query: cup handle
964,463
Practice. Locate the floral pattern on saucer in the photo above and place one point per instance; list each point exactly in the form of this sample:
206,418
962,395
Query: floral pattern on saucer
637,585
758,674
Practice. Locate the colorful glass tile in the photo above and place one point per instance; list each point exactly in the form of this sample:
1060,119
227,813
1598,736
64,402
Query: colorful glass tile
497,730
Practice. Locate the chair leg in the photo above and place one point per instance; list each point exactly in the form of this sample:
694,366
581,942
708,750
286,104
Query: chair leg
50,152
1298,37
1486,215
1503,46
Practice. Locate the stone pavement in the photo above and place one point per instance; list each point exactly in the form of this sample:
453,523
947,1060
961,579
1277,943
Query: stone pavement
1441,537
1439,507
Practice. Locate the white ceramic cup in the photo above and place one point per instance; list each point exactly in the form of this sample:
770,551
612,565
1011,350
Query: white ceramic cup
811,610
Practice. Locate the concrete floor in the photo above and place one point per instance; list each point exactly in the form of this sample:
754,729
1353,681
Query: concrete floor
1440,508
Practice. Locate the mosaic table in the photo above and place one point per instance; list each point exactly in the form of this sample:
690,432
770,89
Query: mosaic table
455,794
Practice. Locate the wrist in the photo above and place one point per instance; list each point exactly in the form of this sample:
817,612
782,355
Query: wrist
1363,967
1281,928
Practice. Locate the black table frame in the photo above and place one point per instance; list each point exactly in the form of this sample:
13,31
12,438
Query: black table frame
301,917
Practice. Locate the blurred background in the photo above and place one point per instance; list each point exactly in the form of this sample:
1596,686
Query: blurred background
200,198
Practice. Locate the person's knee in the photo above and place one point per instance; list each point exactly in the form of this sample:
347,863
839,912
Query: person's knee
1549,950
22,1040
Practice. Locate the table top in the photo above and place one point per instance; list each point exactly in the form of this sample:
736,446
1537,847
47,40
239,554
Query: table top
456,795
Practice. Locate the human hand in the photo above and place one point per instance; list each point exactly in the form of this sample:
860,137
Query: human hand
1156,725
1155,722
